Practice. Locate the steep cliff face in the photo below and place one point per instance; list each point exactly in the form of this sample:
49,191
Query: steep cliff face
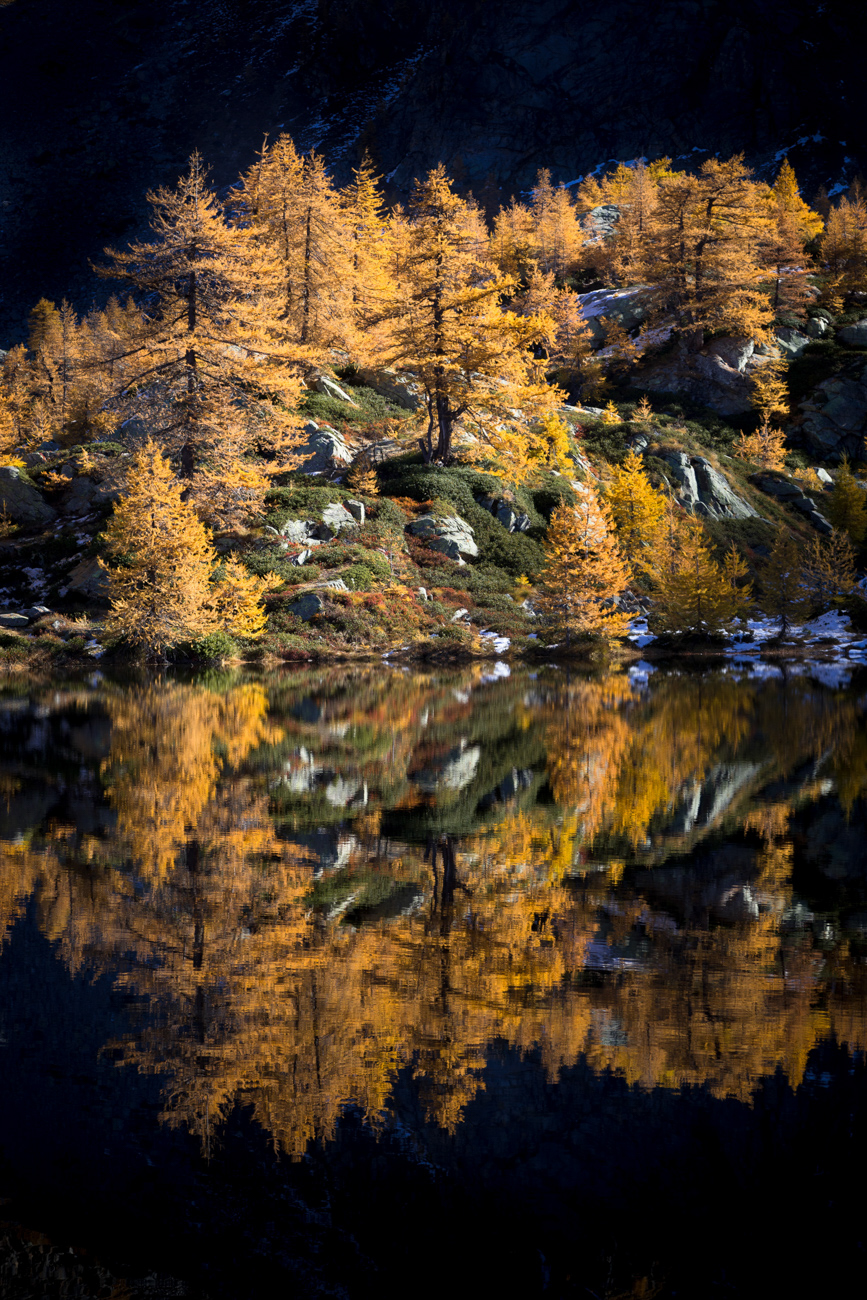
98,108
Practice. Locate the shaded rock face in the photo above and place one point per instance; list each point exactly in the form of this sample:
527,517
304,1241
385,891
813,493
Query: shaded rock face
98,110
775,485
21,502
307,606
834,422
718,377
855,335
704,490
512,520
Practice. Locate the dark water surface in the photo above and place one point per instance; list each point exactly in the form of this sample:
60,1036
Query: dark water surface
394,983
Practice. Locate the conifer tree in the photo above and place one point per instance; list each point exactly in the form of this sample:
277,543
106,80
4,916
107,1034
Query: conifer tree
637,509
160,585
446,323
557,232
584,571
765,447
694,593
205,369
793,225
847,507
844,246
829,569
784,594
367,234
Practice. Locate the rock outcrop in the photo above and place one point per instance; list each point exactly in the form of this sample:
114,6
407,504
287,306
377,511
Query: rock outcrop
704,490
503,512
323,450
855,335
834,422
717,377
401,389
628,307
783,489
452,535
21,502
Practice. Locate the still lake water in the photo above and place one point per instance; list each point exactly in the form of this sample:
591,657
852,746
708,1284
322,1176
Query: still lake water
339,983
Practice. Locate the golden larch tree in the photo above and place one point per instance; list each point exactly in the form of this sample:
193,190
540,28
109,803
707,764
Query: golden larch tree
637,509
161,591
213,383
694,593
847,506
783,593
584,571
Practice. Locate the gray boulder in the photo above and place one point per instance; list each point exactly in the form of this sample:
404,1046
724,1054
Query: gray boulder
402,389
735,353
85,494
600,222
626,306
336,517
14,622
356,509
21,502
792,342
308,606
451,535
323,450
330,388
36,611
89,579
704,490
298,531
816,328
855,335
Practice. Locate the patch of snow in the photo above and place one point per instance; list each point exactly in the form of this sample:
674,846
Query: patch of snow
638,633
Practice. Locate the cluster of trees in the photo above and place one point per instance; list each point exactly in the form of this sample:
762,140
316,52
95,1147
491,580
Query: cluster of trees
696,591
196,904
233,303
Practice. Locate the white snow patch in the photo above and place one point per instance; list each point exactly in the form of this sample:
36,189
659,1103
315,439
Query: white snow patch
500,670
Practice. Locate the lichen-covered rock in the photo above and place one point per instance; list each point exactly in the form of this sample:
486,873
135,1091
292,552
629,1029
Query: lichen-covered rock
336,517
307,606
402,389
13,621
323,450
452,535
792,342
626,306
783,489
21,502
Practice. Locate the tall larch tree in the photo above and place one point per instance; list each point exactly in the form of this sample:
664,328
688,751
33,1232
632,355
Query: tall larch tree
781,582
557,232
368,259
793,225
637,509
161,584
847,506
297,212
213,381
844,246
446,323
694,593
584,571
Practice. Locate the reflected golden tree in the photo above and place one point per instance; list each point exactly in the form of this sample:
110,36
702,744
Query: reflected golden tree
264,978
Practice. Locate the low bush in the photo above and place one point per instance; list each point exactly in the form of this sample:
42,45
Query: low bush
215,646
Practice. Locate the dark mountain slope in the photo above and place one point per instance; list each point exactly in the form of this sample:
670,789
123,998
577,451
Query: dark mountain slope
103,98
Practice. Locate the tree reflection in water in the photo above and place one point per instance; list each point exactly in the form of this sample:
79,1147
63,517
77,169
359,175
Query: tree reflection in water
310,884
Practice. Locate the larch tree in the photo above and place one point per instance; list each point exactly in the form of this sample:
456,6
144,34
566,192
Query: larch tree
844,246
446,323
161,584
584,571
847,507
793,225
694,593
829,569
368,259
557,232
638,510
205,371
783,592
299,226
765,447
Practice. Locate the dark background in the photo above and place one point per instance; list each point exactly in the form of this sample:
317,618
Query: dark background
101,99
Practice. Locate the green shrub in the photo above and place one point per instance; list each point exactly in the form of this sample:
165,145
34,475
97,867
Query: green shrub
217,645
359,577
388,514
262,562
